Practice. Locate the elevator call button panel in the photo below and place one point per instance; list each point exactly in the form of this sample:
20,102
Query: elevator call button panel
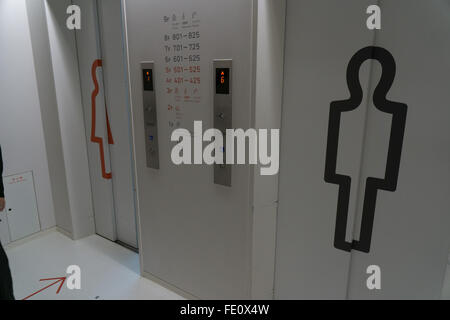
150,116
223,114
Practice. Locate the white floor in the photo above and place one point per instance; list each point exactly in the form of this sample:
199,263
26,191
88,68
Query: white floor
108,271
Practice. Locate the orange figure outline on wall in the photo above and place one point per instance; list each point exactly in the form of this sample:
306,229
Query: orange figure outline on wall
95,139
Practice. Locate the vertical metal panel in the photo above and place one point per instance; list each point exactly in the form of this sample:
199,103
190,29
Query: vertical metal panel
150,117
223,115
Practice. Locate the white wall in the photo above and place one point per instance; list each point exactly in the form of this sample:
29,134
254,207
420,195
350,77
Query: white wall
49,111
71,117
184,219
21,132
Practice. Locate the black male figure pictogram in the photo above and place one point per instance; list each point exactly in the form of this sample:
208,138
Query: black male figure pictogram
389,182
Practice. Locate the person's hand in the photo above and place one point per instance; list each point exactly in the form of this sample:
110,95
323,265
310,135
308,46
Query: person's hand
2,204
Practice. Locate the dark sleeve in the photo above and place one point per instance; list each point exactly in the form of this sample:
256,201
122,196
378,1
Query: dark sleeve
2,192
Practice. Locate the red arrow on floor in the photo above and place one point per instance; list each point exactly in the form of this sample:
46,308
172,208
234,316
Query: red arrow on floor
62,280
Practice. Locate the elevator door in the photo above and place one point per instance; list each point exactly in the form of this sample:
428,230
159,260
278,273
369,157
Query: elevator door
102,67
410,240
117,99
321,37
392,152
